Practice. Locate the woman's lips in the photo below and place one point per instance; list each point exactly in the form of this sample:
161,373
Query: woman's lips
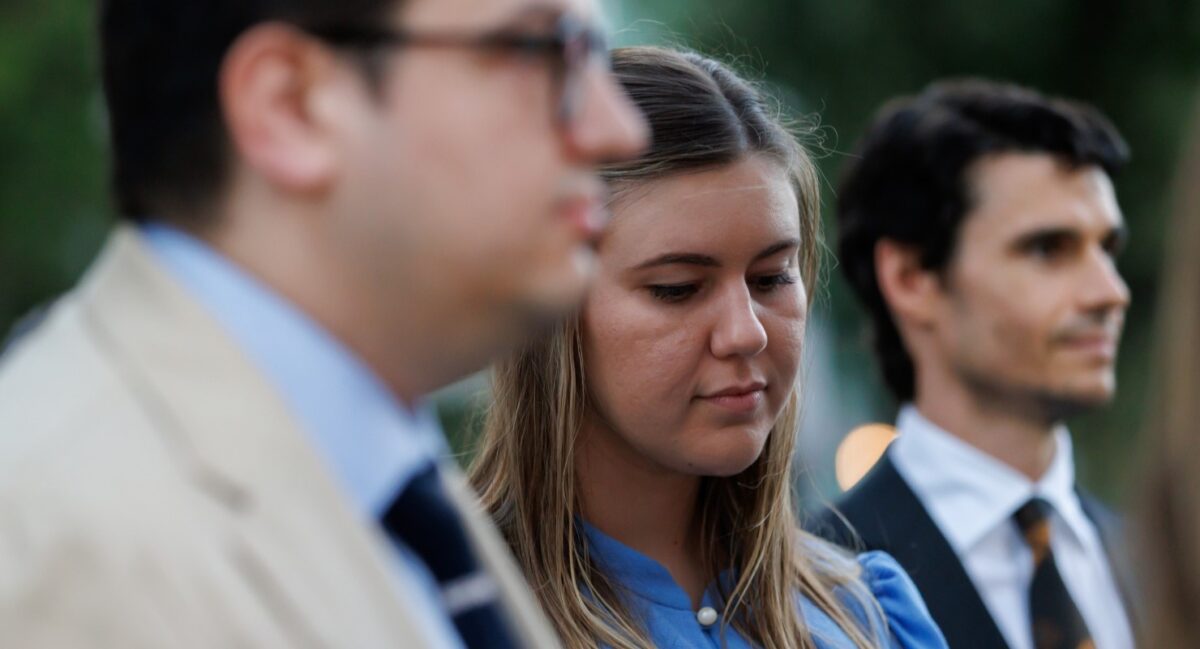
742,401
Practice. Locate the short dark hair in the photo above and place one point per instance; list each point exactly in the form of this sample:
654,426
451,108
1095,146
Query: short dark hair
160,60
907,181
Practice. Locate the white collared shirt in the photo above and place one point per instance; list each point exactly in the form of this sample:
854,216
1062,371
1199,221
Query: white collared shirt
972,497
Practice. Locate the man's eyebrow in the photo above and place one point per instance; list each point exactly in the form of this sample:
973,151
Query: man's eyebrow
707,261
1047,232
1117,234
538,15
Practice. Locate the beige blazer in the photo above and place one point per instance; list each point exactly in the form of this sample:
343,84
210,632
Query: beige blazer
156,493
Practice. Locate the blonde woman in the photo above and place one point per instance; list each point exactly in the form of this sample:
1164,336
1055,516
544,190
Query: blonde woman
638,460
1167,528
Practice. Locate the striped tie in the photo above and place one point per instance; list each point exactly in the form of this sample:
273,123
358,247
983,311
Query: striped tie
423,518
1057,623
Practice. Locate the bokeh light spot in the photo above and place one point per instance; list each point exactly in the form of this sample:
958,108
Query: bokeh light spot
859,451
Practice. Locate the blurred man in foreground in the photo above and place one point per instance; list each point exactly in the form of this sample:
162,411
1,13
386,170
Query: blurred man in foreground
331,209
979,227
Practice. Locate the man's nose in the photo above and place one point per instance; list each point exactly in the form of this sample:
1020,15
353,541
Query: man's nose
609,127
1104,288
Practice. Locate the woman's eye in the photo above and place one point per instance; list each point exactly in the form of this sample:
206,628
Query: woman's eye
771,282
673,292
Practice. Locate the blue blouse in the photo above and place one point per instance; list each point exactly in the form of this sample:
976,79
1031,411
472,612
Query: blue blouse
667,614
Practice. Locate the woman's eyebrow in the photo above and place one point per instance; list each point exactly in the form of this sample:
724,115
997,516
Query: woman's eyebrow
776,248
684,258
708,261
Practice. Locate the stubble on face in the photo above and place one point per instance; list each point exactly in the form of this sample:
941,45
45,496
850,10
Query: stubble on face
1034,304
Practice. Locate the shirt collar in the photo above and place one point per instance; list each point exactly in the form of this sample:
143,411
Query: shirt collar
643,576
369,440
969,493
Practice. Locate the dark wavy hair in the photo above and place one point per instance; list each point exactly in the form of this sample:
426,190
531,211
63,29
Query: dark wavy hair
907,181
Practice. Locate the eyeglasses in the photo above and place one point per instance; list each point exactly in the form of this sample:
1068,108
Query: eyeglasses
569,47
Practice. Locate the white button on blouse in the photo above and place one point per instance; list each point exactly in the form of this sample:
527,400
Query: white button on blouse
706,616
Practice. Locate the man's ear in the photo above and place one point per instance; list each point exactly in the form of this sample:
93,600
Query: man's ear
911,292
270,87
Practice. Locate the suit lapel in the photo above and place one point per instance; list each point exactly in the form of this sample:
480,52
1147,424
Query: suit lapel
888,516
312,563
1112,537
492,550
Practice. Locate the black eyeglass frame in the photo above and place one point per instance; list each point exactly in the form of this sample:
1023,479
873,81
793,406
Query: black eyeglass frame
570,47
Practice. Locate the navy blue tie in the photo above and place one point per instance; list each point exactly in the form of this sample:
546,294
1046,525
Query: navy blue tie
423,518
1057,623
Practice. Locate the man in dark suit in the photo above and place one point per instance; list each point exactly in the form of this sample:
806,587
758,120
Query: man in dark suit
979,227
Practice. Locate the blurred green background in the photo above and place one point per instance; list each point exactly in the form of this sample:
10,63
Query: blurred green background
836,59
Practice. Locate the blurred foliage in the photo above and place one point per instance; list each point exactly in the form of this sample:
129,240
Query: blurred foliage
53,201
838,58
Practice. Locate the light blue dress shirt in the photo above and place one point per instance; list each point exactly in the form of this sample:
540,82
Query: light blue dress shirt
370,442
671,622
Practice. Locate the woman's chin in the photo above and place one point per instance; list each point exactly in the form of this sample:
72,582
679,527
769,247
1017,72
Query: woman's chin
725,460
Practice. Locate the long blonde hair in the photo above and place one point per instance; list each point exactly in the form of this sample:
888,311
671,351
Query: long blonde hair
702,115
1168,525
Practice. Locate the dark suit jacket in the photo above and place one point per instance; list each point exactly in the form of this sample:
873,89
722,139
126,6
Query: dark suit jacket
885,514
